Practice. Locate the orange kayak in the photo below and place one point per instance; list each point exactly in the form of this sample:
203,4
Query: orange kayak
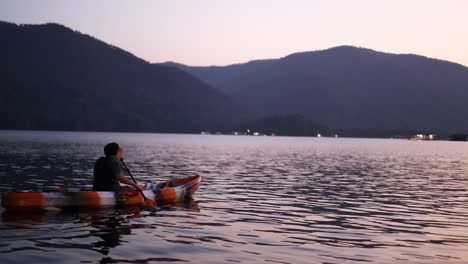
163,193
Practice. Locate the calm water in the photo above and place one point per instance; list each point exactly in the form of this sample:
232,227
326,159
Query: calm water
263,200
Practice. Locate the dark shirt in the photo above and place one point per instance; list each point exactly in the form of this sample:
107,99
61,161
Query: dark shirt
106,170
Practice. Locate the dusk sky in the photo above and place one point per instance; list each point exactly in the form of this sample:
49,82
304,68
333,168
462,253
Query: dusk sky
222,32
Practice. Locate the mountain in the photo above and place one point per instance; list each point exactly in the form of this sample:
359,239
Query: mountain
226,79
54,78
356,91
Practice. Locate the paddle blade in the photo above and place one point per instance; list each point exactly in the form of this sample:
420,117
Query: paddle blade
150,202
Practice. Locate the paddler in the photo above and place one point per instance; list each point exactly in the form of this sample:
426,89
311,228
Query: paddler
108,170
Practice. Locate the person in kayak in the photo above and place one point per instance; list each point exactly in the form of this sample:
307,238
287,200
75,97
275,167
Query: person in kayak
108,170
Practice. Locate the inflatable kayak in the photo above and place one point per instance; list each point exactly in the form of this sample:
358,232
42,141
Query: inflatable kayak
163,193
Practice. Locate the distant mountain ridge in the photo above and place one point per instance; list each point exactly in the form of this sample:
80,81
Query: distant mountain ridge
54,78
357,91
224,78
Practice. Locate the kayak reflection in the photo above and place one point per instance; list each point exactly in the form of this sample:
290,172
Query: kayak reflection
97,230
95,216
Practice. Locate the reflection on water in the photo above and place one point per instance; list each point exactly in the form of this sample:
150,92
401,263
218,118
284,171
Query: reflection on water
263,200
98,231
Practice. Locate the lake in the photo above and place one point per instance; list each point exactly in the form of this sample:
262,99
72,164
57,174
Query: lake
262,200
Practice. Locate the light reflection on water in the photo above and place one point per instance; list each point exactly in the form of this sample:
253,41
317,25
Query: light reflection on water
263,200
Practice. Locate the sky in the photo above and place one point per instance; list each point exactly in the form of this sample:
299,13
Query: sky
223,32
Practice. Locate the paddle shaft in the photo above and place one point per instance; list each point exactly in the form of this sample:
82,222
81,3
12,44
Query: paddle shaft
131,176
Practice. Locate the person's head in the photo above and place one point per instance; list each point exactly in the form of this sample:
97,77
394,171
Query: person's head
113,149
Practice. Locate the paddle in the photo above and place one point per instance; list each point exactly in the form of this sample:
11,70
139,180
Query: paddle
148,202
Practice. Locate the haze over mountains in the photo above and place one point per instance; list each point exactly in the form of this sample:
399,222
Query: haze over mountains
355,91
58,79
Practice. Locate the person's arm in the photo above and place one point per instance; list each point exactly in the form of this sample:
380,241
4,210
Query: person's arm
125,180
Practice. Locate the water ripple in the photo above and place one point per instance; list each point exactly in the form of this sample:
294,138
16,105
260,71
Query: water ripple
263,199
